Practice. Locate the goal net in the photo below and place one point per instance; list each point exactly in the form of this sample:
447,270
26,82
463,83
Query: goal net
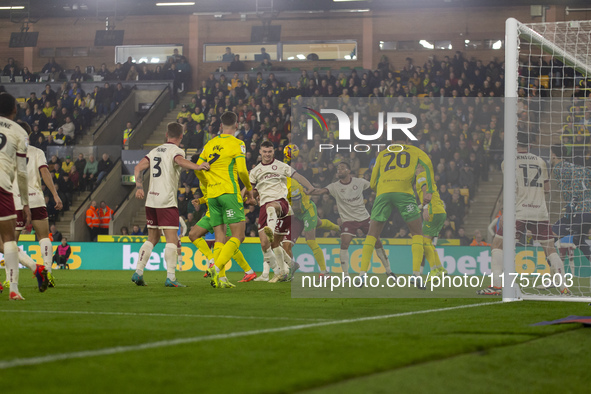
547,90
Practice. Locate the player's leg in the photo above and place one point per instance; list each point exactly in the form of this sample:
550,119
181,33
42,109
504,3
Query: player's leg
196,235
170,253
496,265
381,211
287,246
147,247
43,272
271,211
543,234
226,209
381,252
282,273
310,221
7,226
325,224
270,256
346,239
431,229
249,274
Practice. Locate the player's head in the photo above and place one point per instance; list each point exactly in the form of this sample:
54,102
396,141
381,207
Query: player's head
25,126
174,132
522,139
343,170
7,106
557,152
229,120
267,151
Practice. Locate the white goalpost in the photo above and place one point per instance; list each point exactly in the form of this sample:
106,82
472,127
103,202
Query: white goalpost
547,82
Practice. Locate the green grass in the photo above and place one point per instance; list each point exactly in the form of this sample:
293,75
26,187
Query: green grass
477,349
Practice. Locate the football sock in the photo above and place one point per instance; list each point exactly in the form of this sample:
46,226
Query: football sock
431,255
170,256
287,258
202,246
328,225
239,257
145,253
226,253
271,218
280,260
179,251
217,249
417,253
46,252
496,266
345,261
266,269
558,265
318,254
269,257
368,247
27,261
11,264
384,259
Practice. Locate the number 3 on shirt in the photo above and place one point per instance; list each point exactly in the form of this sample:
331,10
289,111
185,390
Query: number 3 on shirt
158,170
400,162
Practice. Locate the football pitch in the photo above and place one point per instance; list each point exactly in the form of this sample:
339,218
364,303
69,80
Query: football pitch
97,332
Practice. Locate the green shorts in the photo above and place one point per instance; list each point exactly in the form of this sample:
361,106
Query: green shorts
225,209
405,203
310,220
205,223
433,227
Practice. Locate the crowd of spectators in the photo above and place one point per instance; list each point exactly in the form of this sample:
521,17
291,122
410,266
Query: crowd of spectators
459,125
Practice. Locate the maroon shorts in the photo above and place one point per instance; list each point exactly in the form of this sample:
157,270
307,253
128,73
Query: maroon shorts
20,220
297,226
263,212
39,213
282,227
7,210
163,218
541,230
352,227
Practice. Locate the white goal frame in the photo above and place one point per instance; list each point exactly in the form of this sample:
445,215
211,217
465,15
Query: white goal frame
514,30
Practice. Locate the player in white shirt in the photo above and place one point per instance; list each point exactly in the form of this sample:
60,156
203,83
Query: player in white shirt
164,163
13,151
348,193
531,214
269,178
36,171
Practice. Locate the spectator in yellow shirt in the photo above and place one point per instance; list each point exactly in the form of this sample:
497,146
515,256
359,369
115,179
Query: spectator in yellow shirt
184,113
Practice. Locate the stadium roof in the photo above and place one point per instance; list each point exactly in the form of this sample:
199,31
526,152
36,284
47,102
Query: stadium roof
101,8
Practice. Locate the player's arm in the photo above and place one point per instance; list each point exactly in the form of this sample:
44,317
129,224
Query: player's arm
189,165
138,172
425,161
317,191
23,183
47,179
244,177
304,182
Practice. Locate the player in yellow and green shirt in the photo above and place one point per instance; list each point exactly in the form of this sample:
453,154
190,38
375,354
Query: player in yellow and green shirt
306,220
392,178
225,155
434,216
203,227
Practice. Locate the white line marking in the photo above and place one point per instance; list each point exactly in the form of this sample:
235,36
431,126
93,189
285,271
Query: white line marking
161,315
19,362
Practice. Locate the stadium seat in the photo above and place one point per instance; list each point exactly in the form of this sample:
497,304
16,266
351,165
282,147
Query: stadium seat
362,171
466,194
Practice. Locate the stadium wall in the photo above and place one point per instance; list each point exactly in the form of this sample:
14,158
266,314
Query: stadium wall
193,31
